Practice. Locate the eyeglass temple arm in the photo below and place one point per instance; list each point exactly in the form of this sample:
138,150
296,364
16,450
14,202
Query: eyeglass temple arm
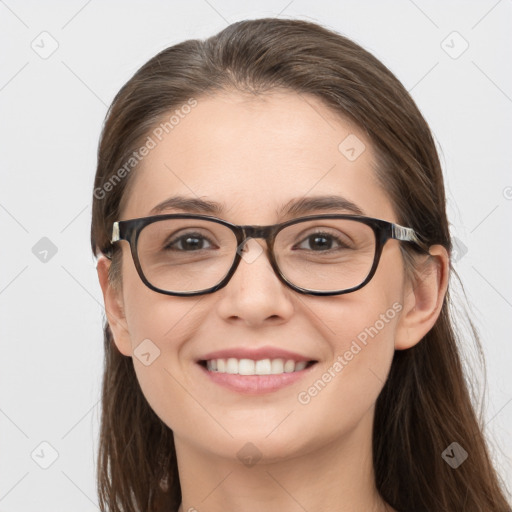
115,233
406,235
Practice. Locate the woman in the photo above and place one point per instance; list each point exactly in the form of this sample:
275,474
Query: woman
311,365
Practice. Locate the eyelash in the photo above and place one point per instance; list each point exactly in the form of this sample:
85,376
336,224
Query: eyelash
341,244
184,236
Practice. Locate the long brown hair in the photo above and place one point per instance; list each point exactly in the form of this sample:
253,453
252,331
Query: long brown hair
426,403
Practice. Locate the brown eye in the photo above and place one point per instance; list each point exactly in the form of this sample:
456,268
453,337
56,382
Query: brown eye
189,242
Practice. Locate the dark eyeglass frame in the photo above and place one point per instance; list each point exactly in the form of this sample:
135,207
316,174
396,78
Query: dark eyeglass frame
129,230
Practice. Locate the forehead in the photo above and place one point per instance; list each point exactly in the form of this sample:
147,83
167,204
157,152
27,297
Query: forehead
253,154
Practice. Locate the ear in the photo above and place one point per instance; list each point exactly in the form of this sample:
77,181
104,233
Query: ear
114,310
423,298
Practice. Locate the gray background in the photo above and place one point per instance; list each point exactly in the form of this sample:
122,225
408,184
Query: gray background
51,110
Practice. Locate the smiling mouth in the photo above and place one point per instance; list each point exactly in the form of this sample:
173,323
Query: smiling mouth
235,366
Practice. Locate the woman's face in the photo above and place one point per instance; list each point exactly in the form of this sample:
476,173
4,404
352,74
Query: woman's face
255,155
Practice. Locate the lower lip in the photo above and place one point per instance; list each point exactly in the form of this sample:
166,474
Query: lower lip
255,384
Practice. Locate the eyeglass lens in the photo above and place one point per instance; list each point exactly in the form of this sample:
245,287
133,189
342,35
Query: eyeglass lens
188,255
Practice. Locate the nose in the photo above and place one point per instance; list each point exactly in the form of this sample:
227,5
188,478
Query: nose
255,294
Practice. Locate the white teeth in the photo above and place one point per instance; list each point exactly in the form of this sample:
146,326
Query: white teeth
277,366
246,367
300,366
251,367
263,367
213,364
289,366
232,365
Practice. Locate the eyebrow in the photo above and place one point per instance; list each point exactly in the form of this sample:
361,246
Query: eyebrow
294,207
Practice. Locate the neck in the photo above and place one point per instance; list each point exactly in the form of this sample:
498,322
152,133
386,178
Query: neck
335,477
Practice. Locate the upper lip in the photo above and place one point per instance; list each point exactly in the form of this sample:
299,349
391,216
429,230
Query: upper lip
254,353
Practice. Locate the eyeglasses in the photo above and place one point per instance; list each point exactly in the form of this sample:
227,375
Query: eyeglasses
187,254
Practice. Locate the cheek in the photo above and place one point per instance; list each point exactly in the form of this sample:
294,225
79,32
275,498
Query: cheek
158,327
347,386
360,328
361,333
151,315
